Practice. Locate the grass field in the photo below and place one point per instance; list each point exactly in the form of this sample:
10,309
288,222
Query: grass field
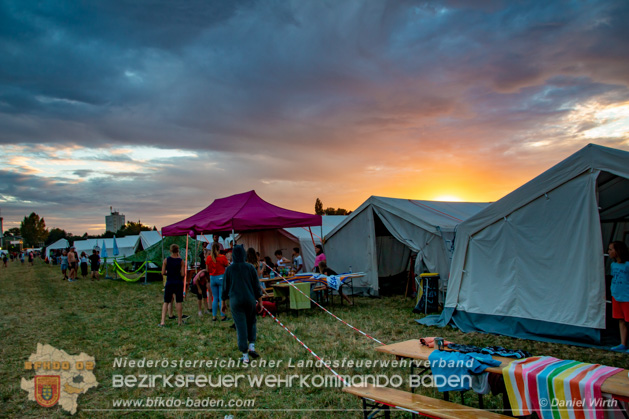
108,319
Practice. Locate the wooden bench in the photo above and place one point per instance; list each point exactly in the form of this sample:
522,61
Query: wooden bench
383,398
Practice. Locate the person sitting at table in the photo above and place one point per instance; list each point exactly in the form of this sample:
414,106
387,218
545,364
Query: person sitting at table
619,254
323,268
282,262
320,256
269,266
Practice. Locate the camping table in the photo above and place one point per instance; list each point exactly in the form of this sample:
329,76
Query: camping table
617,385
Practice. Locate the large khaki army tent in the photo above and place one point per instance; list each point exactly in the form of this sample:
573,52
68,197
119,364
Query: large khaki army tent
380,237
531,264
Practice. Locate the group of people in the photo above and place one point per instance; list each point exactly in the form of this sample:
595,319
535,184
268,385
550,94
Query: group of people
70,263
22,256
229,275
237,282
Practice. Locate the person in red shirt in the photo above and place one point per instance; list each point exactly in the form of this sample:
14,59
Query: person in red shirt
215,265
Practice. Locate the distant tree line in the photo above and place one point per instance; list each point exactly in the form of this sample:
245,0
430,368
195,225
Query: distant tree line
34,233
330,210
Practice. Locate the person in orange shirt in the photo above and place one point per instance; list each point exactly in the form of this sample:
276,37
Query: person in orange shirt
215,265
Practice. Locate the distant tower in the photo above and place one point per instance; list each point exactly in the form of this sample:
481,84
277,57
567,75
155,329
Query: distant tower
114,221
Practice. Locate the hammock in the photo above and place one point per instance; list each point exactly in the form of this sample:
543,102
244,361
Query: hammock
121,269
128,276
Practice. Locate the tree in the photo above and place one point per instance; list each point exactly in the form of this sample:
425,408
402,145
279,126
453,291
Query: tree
14,231
56,234
33,230
132,229
318,207
336,211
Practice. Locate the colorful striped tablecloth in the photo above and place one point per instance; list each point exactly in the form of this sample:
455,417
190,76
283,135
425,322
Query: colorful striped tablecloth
555,388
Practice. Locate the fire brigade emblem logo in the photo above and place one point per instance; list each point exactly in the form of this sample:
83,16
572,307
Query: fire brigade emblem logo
47,389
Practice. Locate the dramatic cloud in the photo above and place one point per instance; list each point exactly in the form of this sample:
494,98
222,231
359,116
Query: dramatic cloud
156,108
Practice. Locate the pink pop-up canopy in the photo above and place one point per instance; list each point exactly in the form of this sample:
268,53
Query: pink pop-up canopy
241,212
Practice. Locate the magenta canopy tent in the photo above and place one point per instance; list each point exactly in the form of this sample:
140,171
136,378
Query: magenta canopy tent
241,213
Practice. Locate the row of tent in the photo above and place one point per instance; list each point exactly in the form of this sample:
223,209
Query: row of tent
127,246
528,265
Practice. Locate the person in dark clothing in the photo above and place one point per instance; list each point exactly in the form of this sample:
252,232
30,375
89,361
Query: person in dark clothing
174,269
94,264
242,288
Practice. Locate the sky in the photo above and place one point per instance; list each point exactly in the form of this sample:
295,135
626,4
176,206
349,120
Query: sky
156,108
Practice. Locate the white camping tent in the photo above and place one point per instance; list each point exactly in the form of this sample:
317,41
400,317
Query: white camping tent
59,244
127,246
380,236
148,239
284,239
531,264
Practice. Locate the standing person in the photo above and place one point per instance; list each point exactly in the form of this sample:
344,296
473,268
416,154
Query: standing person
63,261
298,261
84,264
254,260
216,264
5,259
199,285
619,254
242,287
215,240
175,271
202,256
320,256
31,258
94,264
72,264
22,257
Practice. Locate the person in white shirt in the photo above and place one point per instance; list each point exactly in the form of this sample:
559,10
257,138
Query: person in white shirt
298,262
282,262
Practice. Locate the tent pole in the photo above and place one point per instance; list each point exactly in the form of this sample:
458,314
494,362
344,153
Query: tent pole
185,267
233,237
162,236
312,237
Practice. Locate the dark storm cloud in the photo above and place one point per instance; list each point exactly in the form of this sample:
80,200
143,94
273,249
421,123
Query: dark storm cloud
225,75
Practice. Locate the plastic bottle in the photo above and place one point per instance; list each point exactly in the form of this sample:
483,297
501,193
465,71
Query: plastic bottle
350,269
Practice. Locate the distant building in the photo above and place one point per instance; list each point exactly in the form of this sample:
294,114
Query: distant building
114,221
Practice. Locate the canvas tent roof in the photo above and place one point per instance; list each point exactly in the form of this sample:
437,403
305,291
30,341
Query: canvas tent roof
267,242
127,246
149,238
59,244
531,265
426,228
241,212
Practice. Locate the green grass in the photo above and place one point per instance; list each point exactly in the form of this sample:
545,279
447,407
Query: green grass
109,319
